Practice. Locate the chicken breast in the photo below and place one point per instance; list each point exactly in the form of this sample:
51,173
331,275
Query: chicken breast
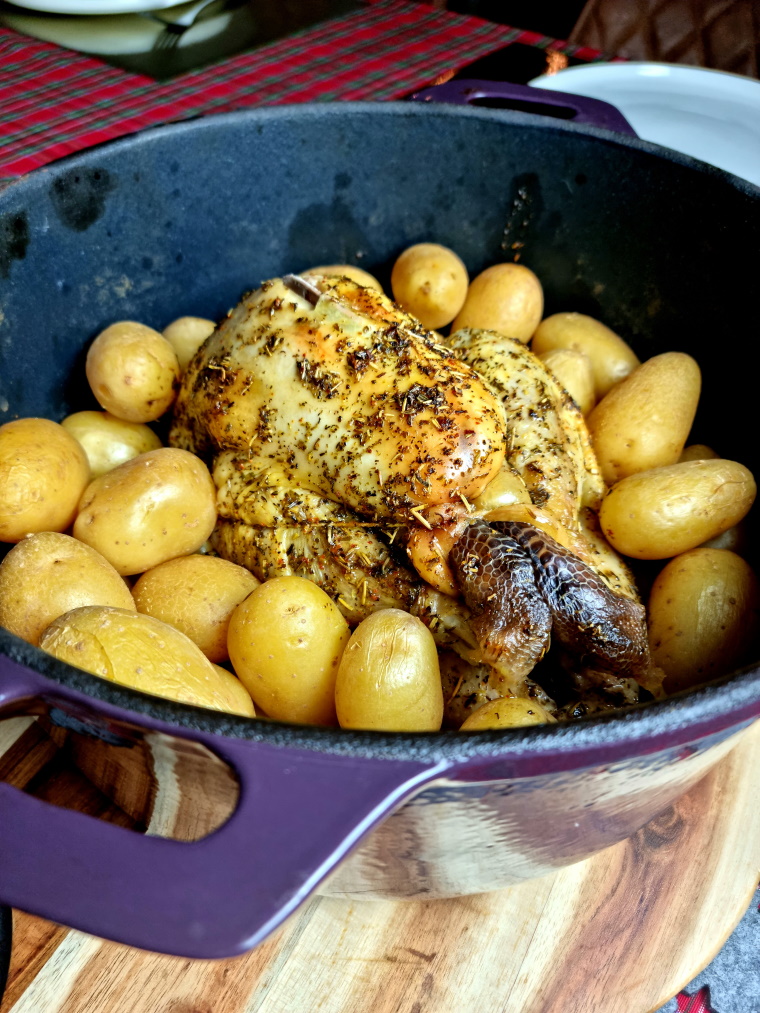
350,396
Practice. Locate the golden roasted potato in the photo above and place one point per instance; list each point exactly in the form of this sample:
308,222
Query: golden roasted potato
389,678
43,473
143,653
575,373
356,274
155,507
197,595
507,298
430,282
644,421
133,371
285,642
507,712
666,511
48,574
108,441
611,358
186,335
703,616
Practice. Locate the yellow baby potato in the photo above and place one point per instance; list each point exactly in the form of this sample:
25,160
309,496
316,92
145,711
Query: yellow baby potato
430,282
735,538
611,358
697,452
356,274
235,692
285,642
48,574
645,420
507,298
133,371
43,472
143,653
666,511
703,616
507,712
108,441
389,678
575,373
155,507
186,335
197,595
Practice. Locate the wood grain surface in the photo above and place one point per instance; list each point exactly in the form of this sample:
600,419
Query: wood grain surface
619,933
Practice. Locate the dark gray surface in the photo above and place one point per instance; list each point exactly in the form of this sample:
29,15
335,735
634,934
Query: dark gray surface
733,977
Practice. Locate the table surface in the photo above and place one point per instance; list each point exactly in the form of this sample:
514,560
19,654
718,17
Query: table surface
55,101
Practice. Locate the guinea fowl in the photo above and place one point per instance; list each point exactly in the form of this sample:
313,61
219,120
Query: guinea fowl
351,446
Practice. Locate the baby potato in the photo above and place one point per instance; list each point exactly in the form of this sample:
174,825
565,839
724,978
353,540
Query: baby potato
575,373
666,511
133,371
735,538
197,595
645,420
235,691
507,712
703,616
507,298
186,335
430,282
285,641
43,472
698,452
108,441
611,358
48,574
356,274
157,506
143,653
389,678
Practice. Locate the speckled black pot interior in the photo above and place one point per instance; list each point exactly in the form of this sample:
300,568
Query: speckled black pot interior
185,218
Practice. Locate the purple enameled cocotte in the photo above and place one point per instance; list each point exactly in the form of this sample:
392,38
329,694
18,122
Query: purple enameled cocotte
184,219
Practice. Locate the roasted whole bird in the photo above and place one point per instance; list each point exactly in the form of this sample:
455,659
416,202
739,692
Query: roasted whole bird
453,478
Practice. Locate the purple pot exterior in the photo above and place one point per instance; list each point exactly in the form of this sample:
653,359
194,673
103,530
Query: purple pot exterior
189,228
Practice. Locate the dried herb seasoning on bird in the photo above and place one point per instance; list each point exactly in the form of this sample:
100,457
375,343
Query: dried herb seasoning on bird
451,480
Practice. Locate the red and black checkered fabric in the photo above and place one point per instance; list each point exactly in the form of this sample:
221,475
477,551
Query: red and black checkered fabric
54,101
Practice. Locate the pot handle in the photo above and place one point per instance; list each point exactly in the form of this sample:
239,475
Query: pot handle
299,813
526,98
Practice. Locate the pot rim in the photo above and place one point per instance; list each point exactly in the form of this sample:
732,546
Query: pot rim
724,704
392,108
721,705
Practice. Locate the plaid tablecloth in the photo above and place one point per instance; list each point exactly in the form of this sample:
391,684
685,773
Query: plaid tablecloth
54,101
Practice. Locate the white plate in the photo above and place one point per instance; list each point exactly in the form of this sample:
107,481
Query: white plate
96,6
115,35
709,114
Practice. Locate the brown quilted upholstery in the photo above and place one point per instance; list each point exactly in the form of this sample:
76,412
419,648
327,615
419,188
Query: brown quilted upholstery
723,34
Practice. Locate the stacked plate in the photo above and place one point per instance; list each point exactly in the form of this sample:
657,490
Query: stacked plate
167,32
709,114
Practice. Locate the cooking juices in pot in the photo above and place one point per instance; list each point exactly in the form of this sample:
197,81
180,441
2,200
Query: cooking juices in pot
360,521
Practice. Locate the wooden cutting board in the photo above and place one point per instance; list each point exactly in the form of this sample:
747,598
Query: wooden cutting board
619,933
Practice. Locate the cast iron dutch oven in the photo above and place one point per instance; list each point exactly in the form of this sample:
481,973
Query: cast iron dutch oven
183,220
